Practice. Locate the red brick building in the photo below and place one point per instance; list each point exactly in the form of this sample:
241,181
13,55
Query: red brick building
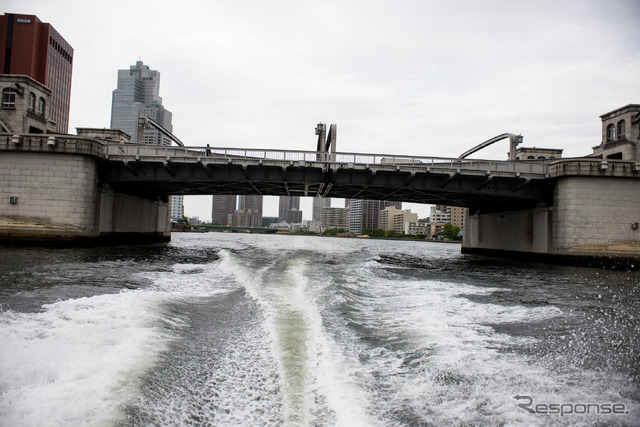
34,48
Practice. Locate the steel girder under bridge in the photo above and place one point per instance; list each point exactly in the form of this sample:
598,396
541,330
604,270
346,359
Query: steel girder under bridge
153,171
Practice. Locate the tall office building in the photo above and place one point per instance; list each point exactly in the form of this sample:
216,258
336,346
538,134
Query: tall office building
334,218
294,216
138,95
250,203
365,213
249,213
34,48
318,204
286,204
221,206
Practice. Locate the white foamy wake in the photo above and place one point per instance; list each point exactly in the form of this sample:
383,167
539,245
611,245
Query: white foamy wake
441,362
318,382
78,360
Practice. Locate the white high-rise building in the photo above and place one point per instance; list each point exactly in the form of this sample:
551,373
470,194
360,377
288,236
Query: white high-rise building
177,206
138,95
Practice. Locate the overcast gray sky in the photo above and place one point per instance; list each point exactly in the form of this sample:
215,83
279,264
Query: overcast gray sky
429,78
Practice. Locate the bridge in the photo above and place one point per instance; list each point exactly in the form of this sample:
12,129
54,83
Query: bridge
152,171
65,188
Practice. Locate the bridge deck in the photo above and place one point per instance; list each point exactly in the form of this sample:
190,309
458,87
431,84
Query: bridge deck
198,170
159,171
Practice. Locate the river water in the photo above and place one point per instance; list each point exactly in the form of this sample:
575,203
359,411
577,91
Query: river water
238,329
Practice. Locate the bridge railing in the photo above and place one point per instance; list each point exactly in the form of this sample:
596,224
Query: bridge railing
144,150
172,152
51,143
340,160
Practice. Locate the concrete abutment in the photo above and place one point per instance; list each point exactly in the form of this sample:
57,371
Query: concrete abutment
593,221
56,199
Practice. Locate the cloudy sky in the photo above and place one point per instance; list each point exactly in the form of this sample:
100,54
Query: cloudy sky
430,78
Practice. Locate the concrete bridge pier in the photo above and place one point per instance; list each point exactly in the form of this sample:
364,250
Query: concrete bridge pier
592,218
525,232
50,194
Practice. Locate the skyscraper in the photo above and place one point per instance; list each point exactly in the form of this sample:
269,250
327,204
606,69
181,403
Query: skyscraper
138,95
221,206
34,48
294,216
286,204
318,204
249,213
251,203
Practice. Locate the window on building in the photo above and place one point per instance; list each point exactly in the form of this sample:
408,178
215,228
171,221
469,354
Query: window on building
8,98
31,106
611,132
41,106
621,128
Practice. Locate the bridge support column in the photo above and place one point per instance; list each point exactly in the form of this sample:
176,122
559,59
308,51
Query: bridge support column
518,232
126,219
